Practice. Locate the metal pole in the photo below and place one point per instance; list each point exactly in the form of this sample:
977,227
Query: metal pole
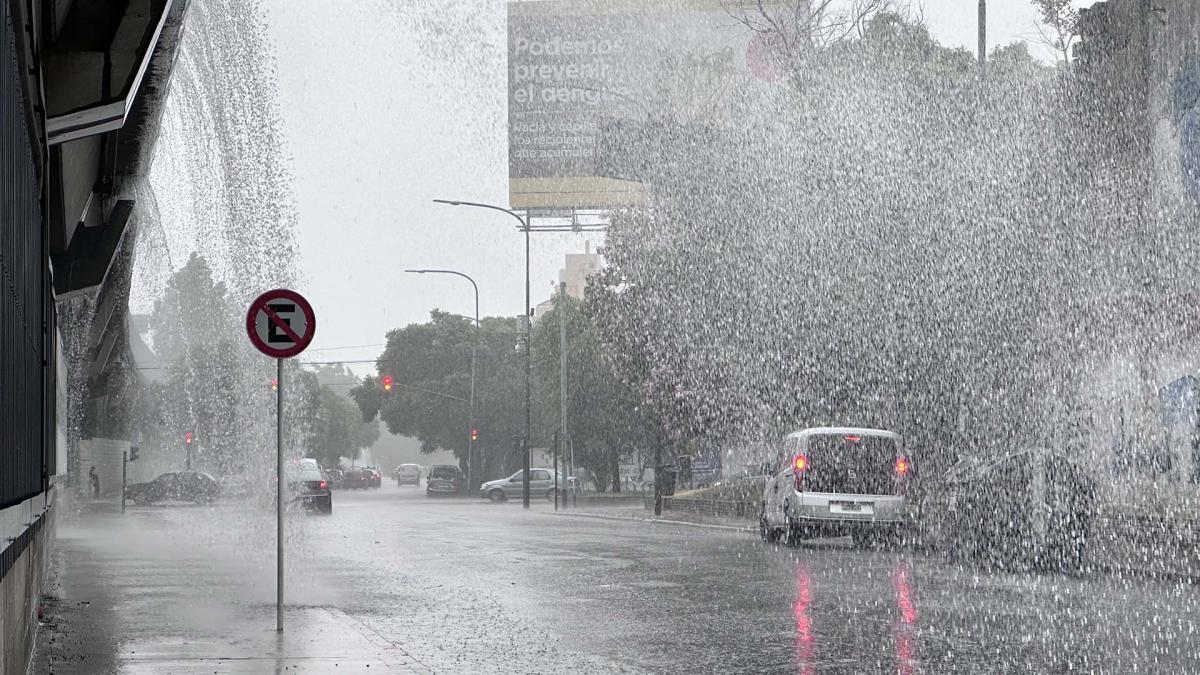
982,38
658,477
528,370
528,329
562,361
187,455
471,405
124,477
474,348
556,449
279,497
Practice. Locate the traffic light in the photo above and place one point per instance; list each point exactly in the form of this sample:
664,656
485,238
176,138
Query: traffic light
187,437
387,382
274,384
133,453
474,434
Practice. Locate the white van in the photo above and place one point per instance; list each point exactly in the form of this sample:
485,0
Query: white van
408,474
836,481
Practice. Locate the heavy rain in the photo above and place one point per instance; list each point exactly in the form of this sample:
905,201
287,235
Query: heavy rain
590,336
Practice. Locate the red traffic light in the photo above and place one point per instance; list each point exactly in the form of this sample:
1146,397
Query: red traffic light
187,437
274,384
474,434
387,382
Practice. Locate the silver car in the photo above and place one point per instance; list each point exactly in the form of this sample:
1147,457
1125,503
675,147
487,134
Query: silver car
541,485
834,481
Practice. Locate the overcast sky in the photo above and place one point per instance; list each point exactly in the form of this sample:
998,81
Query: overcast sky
389,104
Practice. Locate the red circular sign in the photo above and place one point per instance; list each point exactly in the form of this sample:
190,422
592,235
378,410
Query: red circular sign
281,323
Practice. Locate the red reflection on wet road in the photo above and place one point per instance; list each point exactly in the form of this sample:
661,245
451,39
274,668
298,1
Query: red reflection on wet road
906,628
805,640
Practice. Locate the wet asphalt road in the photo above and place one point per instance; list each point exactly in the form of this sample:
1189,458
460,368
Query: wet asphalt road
456,586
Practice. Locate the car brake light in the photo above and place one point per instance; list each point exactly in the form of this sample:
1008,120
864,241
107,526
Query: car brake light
902,466
324,485
801,463
853,439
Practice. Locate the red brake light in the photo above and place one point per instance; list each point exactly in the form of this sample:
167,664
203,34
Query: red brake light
853,439
801,463
902,466
324,485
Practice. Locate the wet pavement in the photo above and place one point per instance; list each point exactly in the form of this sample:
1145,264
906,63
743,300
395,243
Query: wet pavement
397,582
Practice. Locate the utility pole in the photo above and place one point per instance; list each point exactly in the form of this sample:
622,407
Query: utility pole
562,365
524,227
982,39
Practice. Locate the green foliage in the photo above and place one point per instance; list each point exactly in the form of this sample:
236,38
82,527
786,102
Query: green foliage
605,421
879,250
430,364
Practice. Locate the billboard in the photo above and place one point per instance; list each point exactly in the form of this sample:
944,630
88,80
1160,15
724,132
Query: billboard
581,72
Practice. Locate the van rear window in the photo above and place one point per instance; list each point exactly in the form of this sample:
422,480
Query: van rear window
851,464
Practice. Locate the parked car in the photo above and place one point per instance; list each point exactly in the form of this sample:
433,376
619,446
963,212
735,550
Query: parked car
837,481
408,474
443,479
541,485
309,486
1025,509
184,486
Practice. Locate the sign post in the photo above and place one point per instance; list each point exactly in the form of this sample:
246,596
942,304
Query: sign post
280,324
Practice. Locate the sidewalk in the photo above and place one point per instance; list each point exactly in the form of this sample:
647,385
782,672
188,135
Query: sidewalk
668,517
120,601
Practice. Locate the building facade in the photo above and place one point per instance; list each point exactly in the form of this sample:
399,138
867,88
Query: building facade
1139,62
81,87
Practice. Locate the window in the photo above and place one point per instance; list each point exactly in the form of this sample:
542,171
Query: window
540,474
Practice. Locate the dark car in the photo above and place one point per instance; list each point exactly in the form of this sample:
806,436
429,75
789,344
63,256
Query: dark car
1027,509
310,487
443,479
185,486
361,478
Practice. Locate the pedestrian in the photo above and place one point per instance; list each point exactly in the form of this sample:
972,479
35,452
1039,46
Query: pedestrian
94,479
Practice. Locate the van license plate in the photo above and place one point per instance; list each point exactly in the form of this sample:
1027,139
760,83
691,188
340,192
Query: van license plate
852,507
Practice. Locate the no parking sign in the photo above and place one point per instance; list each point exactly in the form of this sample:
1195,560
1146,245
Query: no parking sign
281,323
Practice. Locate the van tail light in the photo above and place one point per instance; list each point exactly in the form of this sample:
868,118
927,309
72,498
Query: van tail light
324,485
801,466
902,466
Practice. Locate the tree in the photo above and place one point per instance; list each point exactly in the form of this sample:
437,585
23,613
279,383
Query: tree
430,364
336,429
212,380
1059,27
865,254
605,419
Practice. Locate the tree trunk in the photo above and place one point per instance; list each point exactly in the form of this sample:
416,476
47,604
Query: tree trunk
616,470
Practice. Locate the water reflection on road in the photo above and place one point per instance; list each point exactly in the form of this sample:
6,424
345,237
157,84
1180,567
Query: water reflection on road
904,628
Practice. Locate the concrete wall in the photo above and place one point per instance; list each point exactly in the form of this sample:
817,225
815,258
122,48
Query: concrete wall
27,559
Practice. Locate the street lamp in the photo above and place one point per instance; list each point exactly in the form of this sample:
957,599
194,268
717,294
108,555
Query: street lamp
528,333
474,346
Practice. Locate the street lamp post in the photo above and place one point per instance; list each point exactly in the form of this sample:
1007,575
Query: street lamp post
474,347
528,335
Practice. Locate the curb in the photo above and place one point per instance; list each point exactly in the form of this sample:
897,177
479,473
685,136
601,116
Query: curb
599,516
